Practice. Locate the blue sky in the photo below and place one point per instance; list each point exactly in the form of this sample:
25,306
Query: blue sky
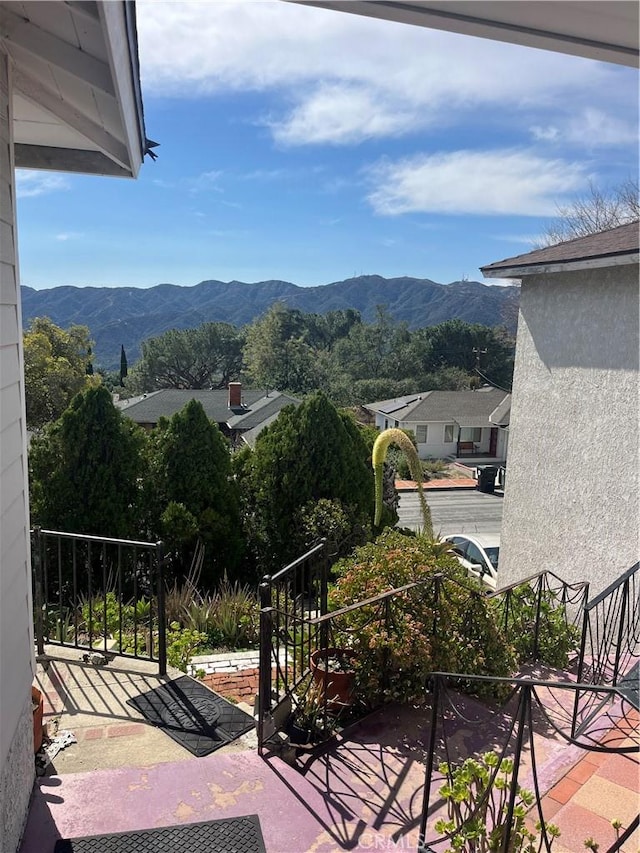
309,145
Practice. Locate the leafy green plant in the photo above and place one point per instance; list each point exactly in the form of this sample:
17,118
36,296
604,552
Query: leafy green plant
102,612
229,617
236,614
182,644
477,794
556,636
309,712
443,623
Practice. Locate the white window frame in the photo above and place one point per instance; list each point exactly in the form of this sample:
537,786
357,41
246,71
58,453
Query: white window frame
422,429
451,429
473,434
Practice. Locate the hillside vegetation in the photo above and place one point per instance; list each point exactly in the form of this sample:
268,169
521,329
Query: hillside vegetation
117,316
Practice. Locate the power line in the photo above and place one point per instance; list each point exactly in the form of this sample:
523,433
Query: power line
495,385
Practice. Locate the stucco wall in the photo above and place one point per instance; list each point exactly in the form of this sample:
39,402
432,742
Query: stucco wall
571,501
16,633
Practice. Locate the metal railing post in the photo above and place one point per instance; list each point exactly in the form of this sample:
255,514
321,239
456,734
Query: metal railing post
324,594
536,634
162,614
38,589
265,684
620,638
435,698
586,626
264,591
523,715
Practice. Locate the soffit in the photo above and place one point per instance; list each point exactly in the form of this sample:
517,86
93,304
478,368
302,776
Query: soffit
77,103
606,31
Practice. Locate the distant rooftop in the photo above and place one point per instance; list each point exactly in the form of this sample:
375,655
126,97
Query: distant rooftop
614,246
466,408
257,406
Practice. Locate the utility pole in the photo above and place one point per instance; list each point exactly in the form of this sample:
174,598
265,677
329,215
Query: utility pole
478,353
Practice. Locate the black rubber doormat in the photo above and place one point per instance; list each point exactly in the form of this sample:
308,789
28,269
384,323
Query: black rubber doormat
230,835
191,714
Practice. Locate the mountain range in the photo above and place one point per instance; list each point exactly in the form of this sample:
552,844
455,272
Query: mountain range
128,315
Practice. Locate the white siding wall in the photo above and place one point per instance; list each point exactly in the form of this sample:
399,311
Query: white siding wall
16,631
571,501
435,447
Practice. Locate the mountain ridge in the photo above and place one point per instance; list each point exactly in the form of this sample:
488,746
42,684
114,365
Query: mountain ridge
128,315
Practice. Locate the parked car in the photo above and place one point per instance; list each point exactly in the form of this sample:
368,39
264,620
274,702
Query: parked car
478,555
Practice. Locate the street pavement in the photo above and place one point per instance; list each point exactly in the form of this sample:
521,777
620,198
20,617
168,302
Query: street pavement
456,511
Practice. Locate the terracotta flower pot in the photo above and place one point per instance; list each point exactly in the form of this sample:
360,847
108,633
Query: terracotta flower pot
37,703
333,671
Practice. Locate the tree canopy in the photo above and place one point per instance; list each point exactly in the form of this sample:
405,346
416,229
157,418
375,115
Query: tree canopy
209,356
309,453
192,482
85,469
57,365
596,210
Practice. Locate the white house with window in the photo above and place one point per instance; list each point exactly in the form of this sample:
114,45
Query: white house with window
451,424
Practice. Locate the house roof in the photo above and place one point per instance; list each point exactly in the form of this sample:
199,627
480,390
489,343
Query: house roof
77,103
606,32
258,406
605,248
501,415
466,408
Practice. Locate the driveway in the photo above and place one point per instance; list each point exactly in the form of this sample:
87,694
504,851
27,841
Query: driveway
459,511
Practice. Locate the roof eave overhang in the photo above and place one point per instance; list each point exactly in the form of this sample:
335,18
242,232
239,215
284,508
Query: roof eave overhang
522,270
468,19
119,27
78,140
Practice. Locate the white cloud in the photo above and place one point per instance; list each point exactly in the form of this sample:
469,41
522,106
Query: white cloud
527,239
346,78
342,114
591,128
205,182
496,182
31,184
68,235
545,134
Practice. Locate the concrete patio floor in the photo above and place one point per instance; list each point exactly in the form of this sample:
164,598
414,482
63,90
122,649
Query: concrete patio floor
362,792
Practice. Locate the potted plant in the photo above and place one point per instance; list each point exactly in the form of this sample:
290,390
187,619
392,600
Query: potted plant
37,706
334,673
308,721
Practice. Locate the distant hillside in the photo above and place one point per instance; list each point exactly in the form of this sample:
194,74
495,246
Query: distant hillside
129,315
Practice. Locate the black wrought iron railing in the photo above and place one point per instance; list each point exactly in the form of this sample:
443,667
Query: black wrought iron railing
610,648
499,794
99,594
538,608
289,645
541,616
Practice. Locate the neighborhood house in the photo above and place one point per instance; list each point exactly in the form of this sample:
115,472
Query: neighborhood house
450,424
240,415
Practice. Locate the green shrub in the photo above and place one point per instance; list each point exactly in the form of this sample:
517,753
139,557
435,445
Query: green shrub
477,796
182,644
229,617
445,623
557,638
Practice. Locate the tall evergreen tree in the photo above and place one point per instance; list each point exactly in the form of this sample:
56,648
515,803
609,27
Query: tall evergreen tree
85,469
309,453
194,472
123,364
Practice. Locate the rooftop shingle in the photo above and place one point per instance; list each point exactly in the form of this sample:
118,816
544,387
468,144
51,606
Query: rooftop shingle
623,240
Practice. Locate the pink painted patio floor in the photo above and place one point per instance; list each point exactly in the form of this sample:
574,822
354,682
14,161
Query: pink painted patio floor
362,793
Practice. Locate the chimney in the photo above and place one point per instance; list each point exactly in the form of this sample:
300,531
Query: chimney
235,395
